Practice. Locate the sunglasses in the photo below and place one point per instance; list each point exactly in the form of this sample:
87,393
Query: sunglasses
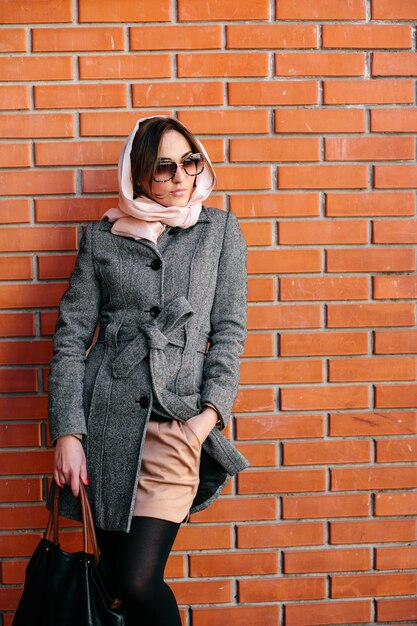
166,169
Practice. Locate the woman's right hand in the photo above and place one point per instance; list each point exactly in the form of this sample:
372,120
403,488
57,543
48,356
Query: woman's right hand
70,463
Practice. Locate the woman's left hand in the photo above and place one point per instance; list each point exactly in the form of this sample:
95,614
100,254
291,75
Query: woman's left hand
203,423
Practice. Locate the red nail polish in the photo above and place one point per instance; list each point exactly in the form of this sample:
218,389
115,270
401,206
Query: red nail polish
86,481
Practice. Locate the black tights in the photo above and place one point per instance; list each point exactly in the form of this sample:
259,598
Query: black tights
137,560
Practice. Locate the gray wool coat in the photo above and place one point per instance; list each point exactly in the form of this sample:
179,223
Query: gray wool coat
158,305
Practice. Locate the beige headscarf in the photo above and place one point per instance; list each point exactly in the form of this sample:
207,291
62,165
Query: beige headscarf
143,218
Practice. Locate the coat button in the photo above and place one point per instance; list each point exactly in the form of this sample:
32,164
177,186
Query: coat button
155,311
174,231
144,402
156,264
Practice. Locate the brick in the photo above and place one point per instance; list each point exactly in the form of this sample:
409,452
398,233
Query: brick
395,176
324,613
22,296
13,40
40,238
257,233
372,369
205,592
238,509
259,344
396,558
15,155
319,121
235,177
323,232
369,148
34,11
386,287
323,176
175,37
369,204
17,324
33,68
276,205
395,231
282,481
115,123
9,597
282,316
55,266
37,182
326,452
395,396
366,36
326,506
394,64
321,10
17,380
37,125
217,10
394,503
373,585
238,616
311,561
279,590
396,450
373,424
284,261
15,545
77,39
14,97
124,11
33,462
271,36
273,93
25,352
178,94
368,92
19,490
372,531
275,149
395,342
259,455
400,10
79,96
282,534
323,343
77,153
324,288
19,435
374,478
319,64
122,66
325,398
225,122
279,427
251,400
16,268
236,564
370,260
72,209
48,322
369,315
24,407
99,181
390,120
23,517
260,290
389,610
237,64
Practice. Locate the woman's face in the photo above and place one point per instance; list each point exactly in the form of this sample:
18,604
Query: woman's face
178,190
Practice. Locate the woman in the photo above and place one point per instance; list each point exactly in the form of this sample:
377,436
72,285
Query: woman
142,415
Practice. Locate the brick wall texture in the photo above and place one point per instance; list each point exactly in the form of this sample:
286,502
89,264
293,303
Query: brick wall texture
308,110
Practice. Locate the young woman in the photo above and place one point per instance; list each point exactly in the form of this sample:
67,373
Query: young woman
142,415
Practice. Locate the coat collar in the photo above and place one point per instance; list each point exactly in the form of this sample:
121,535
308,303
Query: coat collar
104,224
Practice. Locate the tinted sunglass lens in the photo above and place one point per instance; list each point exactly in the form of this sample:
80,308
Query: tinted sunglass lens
194,164
165,171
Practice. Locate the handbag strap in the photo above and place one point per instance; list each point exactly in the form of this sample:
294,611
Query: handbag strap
52,529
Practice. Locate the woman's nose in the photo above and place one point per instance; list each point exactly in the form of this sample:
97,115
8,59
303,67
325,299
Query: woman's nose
179,174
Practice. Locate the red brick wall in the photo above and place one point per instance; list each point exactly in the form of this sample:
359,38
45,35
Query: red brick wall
308,109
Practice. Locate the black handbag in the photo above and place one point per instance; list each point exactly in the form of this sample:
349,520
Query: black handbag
68,588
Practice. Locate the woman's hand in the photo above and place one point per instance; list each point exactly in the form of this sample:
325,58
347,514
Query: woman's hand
70,463
203,423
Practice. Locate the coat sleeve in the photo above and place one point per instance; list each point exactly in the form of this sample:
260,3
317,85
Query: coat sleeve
228,324
77,320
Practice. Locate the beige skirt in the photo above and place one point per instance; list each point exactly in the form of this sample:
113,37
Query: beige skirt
169,473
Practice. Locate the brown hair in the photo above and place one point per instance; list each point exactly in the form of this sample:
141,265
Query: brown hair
145,147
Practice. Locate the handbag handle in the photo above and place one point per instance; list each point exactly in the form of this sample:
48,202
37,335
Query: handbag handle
52,530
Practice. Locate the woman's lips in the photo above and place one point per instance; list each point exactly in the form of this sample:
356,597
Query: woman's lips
178,192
